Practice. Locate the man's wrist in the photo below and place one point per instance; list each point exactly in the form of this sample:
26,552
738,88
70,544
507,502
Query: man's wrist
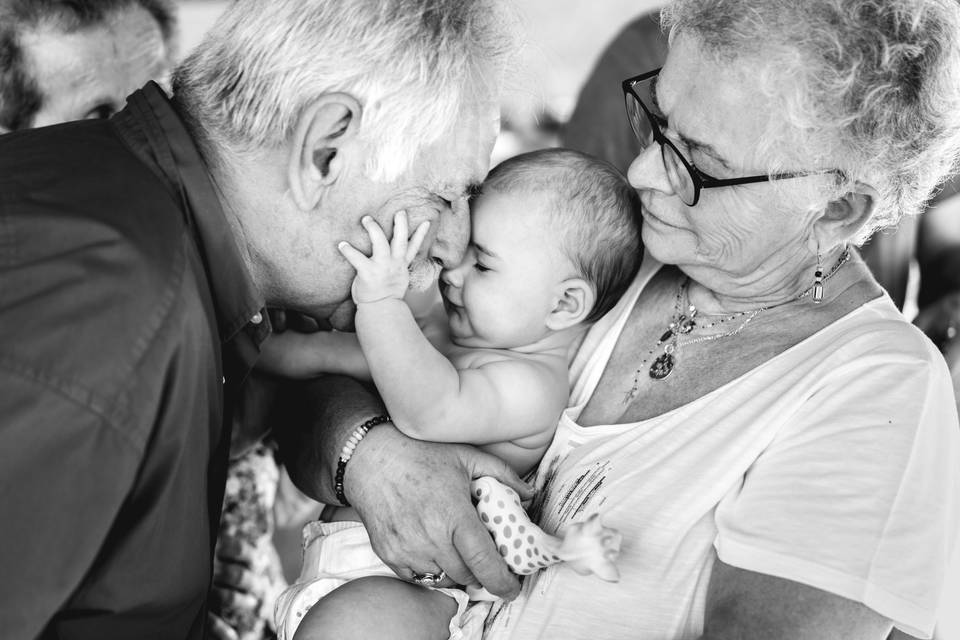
346,454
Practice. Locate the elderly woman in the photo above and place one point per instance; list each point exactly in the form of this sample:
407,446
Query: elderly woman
778,446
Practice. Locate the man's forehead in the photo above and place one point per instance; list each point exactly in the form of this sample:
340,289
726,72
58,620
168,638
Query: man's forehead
462,158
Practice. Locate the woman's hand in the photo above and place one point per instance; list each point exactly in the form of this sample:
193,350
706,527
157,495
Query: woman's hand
414,498
385,274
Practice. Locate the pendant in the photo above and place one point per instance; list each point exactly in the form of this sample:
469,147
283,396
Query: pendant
662,367
686,324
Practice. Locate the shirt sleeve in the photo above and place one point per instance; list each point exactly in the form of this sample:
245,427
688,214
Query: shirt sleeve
859,496
64,472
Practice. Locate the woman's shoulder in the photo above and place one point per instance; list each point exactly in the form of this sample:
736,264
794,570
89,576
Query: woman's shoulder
877,326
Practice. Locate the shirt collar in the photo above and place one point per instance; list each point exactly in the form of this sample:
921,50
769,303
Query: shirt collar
154,130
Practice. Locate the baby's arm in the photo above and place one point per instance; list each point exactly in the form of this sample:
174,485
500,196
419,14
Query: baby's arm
428,398
305,355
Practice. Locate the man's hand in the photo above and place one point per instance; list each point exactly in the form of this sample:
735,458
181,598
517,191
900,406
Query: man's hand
414,498
385,274
246,585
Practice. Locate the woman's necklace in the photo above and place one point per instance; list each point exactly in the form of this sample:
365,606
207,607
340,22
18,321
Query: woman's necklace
684,321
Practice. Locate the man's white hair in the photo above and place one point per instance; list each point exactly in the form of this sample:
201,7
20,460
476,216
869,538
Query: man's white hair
410,63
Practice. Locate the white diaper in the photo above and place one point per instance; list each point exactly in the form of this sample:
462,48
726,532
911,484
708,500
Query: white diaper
335,553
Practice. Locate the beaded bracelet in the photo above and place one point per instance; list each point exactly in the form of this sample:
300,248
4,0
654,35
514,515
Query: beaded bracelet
347,452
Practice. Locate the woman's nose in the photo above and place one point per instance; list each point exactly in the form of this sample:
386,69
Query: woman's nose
647,171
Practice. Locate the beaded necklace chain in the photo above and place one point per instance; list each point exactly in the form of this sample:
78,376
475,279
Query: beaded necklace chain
684,321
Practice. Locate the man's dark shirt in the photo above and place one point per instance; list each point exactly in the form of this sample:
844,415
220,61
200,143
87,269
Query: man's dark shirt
124,310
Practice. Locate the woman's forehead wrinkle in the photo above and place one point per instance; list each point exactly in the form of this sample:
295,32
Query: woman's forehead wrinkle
705,112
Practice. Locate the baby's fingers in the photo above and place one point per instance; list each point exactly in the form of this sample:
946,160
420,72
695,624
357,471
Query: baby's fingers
377,237
398,244
354,257
416,241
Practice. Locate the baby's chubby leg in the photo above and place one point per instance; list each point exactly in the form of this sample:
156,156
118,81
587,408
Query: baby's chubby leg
379,607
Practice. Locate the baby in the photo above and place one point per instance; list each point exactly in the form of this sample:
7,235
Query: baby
555,240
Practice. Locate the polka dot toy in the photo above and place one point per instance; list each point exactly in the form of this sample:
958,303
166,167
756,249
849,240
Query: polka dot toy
586,547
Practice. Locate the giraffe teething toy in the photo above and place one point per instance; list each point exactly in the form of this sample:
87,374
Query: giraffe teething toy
586,547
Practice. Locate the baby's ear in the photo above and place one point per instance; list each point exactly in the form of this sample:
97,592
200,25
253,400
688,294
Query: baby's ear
574,302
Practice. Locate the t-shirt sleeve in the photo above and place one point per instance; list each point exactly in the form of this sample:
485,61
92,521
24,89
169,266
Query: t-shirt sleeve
860,494
64,472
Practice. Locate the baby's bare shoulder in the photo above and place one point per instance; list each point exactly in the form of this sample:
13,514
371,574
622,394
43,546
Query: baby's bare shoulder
538,375
540,363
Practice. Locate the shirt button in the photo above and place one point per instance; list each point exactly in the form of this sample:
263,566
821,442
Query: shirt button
257,318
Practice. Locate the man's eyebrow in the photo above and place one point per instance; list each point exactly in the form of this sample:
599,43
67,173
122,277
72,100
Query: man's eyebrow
469,190
484,250
473,189
689,143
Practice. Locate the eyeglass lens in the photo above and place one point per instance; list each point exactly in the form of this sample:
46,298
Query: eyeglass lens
678,173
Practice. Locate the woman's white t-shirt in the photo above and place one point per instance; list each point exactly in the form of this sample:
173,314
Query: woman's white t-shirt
835,464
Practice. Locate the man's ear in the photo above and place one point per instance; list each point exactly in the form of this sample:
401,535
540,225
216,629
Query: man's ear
844,217
574,302
316,158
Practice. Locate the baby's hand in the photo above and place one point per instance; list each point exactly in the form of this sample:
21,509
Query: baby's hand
385,274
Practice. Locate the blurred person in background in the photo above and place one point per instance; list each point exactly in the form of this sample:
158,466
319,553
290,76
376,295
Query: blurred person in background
932,238
63,60
137,259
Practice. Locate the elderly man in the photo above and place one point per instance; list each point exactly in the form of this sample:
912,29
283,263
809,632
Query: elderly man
63,61
137,260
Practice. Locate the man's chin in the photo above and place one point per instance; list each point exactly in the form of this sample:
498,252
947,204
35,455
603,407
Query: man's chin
423,274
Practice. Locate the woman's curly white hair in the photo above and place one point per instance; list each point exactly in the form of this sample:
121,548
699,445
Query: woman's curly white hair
871,87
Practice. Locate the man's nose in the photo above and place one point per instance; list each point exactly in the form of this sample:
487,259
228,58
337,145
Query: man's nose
453,233
647,171
453,276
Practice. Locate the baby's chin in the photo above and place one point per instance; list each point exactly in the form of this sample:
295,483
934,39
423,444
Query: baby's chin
423,273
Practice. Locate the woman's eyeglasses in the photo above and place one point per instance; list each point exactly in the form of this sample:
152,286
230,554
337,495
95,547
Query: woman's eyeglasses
685,179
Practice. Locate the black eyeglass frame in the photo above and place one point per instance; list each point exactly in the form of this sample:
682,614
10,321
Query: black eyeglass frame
699,179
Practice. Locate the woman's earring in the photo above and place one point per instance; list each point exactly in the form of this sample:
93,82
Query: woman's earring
818,281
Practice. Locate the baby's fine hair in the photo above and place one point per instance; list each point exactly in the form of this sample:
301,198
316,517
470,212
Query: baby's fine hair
595,209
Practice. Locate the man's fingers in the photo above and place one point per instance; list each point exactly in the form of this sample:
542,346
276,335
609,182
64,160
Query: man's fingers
481,464
354,257
235,576
233,550
482,559
381,246
278,320
450,561
226,599
398,245
416,241
220,629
